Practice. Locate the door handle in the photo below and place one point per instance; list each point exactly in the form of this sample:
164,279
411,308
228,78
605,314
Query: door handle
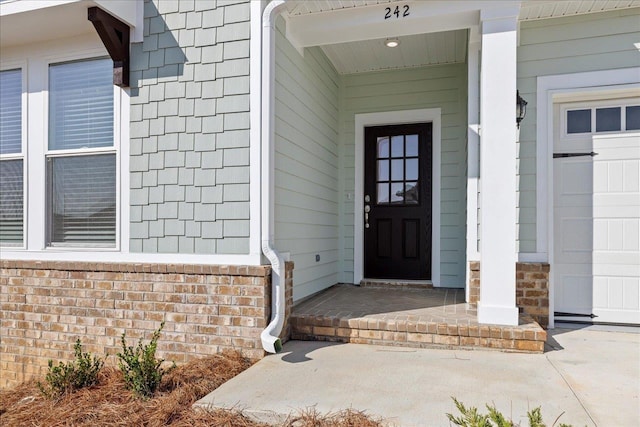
367,209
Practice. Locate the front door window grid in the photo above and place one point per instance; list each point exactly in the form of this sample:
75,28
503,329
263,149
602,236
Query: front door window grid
397,170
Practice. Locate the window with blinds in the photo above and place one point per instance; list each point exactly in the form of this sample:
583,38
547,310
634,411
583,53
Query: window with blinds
81,160
11,159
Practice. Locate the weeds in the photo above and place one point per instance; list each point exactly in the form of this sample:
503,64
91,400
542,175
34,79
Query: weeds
472,418
142,371
67,377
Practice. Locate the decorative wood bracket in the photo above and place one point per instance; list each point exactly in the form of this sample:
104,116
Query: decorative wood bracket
115,37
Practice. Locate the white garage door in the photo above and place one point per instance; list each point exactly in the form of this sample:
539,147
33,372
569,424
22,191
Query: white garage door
596,263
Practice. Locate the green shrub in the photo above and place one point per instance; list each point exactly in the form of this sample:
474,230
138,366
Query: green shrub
142,371
70,376
472,418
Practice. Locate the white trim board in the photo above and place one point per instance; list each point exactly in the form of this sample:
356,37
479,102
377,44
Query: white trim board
77,254
255,126
433,115
556,88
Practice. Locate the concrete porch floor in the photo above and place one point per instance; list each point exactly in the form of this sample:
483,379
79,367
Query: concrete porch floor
407,317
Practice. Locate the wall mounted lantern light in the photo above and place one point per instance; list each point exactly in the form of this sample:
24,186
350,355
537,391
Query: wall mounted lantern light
521,108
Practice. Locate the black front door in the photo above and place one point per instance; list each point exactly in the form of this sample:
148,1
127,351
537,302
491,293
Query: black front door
397,188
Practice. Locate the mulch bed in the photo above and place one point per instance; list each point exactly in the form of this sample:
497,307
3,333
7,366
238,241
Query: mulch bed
109,403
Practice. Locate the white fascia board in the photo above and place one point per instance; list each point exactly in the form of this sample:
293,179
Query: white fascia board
368,22
12,7
125,10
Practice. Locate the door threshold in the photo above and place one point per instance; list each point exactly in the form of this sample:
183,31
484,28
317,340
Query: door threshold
397,283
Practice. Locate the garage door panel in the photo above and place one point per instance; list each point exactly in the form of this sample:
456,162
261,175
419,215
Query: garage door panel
627,202
614,258
617,316
619,269
577,234
631,239
597,226
616,293
632,176
576,178
631,289
576,294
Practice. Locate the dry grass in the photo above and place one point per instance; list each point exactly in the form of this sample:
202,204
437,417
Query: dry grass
109,403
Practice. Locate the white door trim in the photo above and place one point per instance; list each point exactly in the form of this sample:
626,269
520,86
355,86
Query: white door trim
555,88
432,115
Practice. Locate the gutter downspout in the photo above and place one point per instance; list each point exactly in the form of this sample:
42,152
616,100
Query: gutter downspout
270,341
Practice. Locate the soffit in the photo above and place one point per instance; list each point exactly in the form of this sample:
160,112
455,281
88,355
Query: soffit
443,47
532,10
447,47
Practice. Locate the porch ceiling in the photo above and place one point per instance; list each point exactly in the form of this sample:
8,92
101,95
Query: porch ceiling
445,47
364,51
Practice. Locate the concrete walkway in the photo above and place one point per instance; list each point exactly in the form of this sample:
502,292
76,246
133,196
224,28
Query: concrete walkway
590,376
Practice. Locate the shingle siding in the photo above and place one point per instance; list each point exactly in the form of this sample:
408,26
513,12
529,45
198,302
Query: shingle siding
189,166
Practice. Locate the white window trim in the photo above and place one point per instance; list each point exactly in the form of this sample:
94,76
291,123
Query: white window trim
67,153
433,115
22,66
255,129
565,88
593,106
46,153
34,64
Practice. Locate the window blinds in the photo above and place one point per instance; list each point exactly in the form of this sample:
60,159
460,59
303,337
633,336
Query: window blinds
11,202
11,169
81,105
82,186
10,112
83,199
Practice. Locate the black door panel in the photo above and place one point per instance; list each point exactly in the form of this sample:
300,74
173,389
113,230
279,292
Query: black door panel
397,234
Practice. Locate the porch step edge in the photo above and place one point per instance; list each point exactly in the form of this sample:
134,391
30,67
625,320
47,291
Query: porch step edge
526,337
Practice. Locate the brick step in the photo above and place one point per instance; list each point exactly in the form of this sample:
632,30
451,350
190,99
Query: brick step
528,336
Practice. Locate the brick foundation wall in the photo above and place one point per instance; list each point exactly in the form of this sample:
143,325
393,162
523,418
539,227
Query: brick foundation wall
532,288
46,306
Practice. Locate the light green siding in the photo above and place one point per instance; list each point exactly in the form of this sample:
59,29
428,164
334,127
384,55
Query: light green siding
306,165
442,87
592,42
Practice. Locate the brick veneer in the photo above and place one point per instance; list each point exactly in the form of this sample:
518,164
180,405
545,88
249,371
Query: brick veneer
532,288
46,306
526,337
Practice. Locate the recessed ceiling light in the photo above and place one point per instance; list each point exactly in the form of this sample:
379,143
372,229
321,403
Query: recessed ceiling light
392,42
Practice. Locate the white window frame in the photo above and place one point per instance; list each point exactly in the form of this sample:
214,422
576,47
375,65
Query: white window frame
68,153
34,61
22,66
593,106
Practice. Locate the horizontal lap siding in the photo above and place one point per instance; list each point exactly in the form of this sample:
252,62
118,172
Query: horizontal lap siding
442,87
306,164
575,44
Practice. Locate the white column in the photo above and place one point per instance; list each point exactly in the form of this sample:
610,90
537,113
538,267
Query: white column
498,167
473,147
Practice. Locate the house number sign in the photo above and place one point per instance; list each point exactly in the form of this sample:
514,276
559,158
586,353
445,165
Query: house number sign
398,12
